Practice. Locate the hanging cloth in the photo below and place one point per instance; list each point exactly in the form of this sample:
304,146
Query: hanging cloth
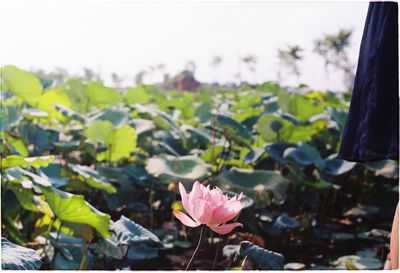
371,132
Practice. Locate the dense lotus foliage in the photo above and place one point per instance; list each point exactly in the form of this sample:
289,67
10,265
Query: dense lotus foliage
90,173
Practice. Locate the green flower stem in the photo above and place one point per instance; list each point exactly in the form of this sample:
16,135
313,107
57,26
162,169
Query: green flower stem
48,236
83,261
58,235
59,230
197,248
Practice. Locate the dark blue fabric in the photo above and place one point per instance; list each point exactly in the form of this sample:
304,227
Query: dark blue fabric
372,128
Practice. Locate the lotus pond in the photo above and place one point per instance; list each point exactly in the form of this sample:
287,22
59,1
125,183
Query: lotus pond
89,178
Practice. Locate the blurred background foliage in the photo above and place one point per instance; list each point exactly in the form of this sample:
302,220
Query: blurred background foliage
89,172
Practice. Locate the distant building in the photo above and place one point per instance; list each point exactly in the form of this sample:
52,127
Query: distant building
184,81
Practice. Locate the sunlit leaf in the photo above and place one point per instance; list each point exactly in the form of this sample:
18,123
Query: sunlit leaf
100,131
48,100
120,142
301,107
18,145
22,83
102,96
137,95
74,208
16,160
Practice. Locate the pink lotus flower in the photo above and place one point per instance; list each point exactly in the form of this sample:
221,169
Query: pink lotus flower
210,207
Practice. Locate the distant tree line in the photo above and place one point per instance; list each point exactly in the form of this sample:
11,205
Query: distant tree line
332,48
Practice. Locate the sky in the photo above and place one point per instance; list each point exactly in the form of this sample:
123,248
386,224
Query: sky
126,37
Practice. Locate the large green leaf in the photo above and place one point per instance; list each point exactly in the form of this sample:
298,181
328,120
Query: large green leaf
17,173
203,112
249,181
75,90
137,95
304,155
22,83
313,155
74,208
173,169
14,257
212,153
92,178
273,128
294,134
24,196
118,116
284,222
142,125
10,116
277,149
50,98
261,258
68,112
16,160
297,157
247,100
161,118
17,145
252,156
121,145
53,173
197,135
100,131
41,138
340,116
269,126
102,96
120,142
130,233
300,106
234,130
110,247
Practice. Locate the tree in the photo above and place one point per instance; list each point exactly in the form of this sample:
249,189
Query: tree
117,80
139,77
290,58
215,63
333,48
90,75
251,62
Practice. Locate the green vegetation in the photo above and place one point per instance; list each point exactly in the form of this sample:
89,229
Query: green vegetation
89,177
